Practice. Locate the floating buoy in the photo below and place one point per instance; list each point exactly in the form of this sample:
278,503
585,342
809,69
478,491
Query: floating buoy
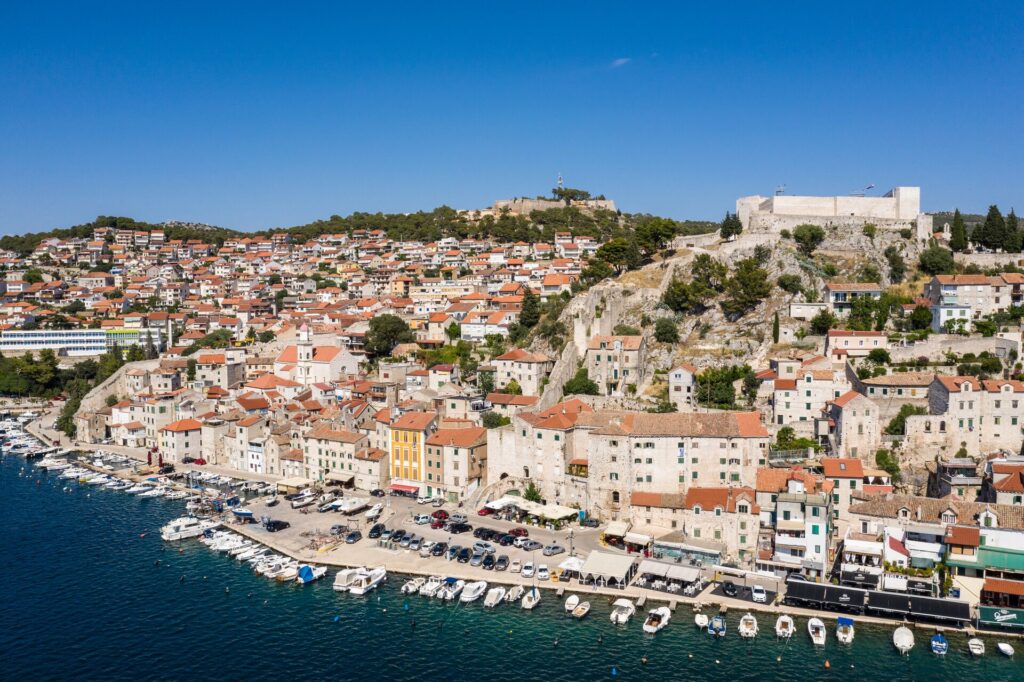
226,590
615,671
265,602
691,655
556,642
336,619
249,595
509,633
778,659
142,535
827,664
717,662
643,659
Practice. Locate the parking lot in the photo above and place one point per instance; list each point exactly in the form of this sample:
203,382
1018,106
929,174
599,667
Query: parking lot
742,593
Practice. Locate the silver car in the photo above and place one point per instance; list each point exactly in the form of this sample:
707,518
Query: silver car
553,549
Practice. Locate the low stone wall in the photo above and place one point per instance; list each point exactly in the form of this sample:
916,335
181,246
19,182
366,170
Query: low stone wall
989,260
936,346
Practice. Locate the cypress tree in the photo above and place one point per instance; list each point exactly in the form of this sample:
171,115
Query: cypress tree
958,235
775,327
1013,241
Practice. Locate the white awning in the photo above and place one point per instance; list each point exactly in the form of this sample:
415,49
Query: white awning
502,502
340,477
294,482
686,574
617,529
573,563
607,566
648,567
637,539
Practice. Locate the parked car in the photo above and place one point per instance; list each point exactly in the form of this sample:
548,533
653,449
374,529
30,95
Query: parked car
406,539
375,531
527,571
184,460
465,554
519,532
543,573
397,535
440,514
485,511
385,533
438,501
457,528
532,545
439,548
452,552
425,548
515,566
200,461
459,518
339,529
729,588
415,543
377,492
423,499
506,540
477,559
483,547
437,524
422,520
488,563
590,522
553,549
501,563
353,537
166,469
275,525
758,594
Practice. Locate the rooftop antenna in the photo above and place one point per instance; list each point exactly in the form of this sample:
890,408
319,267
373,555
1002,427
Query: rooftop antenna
560,183
780,190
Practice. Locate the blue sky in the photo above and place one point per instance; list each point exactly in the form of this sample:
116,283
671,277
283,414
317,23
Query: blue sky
252,115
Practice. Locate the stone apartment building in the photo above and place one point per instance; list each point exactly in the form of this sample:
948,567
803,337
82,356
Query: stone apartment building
840,296
456,461
527,369
851,425
681,387
330,454
180,439
842,343
798,401
615,363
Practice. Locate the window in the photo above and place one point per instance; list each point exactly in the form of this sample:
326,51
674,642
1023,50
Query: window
718,534
558,437
815,529
696,510
718,511
696,532
743,539
613,476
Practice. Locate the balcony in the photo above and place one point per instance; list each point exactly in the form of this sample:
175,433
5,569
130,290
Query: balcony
790,541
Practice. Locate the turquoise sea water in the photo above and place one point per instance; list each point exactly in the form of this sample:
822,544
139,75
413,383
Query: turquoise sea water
89,591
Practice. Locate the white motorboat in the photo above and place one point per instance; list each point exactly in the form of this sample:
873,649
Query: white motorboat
515,593
657,619
158,491
700,620
844,630
138,488
413,585
784,626
250,552
531,598
368,580
748,626
186,527
431,586
571,603
102,479
473,591
495,595
288,573
303,501
976,646
244,546
816,629
176,495
451,589
622,611
1005,649
903,639
308,573
581,610
270,565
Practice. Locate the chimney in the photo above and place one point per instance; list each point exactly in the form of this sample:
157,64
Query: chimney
918,512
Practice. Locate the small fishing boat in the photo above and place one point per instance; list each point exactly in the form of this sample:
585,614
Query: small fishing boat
515,593
976,646
622,611
748,626
816,629
700,620
288,573
495,596
242,513
939,645
431,586
368,580
413,585
784,626
716,626
245,545
581,610
657,619
1005,649
903,639
530,599
473,591
451,589
571,603
844,630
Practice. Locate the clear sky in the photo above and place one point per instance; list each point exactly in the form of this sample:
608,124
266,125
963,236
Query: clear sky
252,115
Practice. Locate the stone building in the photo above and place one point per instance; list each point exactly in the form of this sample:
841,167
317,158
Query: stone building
615,363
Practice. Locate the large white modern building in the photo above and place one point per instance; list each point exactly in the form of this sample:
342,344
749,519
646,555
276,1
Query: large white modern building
76,342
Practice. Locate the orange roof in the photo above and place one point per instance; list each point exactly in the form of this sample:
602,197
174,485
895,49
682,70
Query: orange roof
320,354
413,421
724,498
1015,587
461,438
842,467
183,425
965,536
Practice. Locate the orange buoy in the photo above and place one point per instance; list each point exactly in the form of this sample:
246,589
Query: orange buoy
827,664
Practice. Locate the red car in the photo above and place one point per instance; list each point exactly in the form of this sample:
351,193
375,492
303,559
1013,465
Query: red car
484,511
437,523
440,515
200,461
519,532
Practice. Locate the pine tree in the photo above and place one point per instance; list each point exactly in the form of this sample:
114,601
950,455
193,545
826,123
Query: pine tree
731,226
1012,243
993,230
958,235
530,314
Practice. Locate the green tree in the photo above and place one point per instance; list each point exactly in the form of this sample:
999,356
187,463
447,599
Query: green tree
992,233
808,237
1014,240
822,322
485,380
791,284
870,231
266,336
529,316
665,331
33,276
580,384
898,425
747,287
862,314
897,266
493,420
775,327
621,253
936,260
386,332
958,233
513,388
879,356
532,494
74,307
453,332
888,462
731,226
921,318
190,369
569,194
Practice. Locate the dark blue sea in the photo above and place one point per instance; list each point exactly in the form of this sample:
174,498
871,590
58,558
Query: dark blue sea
90,592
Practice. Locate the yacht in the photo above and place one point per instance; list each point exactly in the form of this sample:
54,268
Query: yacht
531,598
186,527
368,580
431,586
622,611
495,596
657,619
748,626
844,630
784,626
903,639
473,591
976,646
939,645
308,573
816,629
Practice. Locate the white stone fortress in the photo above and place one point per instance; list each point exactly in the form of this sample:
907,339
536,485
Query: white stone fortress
899,209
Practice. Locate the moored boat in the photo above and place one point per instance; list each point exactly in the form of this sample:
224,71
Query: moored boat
515,593
784,626
413,585
716,626
430,587
748,626
186,527
495,595
581,610
844,630
700,620
622,611
1005,649
531,598
976,647
657,619
473,591
816,629
368,580
903,639
939,645
571,602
